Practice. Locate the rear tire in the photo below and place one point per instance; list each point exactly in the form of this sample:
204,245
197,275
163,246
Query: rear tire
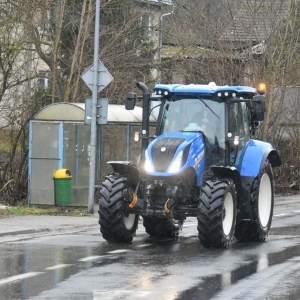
262,205
217,213
115,225
162,227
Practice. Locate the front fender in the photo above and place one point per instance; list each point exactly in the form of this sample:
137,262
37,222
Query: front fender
126,167
254,156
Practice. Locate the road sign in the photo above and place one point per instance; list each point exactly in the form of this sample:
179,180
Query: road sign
102,108
104,77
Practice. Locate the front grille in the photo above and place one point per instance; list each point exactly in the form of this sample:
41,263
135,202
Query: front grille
162,159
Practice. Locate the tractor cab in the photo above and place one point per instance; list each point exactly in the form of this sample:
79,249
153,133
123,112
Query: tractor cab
190,114
220,114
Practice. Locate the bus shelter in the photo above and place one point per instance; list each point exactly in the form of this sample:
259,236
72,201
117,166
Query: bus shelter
59,138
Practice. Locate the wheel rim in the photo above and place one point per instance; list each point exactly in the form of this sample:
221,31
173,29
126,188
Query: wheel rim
228,213
129,221
265,200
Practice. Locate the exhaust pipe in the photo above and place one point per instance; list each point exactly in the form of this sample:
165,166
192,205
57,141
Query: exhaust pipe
145,118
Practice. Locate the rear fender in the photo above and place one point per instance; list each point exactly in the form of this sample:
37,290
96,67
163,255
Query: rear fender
254,157
126,167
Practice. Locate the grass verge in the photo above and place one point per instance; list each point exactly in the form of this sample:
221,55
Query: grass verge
37,211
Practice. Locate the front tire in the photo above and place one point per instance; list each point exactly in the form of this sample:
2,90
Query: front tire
217,213
262,205
162,227
115,224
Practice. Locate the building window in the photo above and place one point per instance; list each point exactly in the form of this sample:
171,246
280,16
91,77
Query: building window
147,27
44,82
44,22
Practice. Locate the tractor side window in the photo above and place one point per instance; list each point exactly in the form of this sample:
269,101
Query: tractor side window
171,118
240,122
239,127
232,120
246,121
163,120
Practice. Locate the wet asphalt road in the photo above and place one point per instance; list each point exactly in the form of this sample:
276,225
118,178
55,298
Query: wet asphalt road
84,266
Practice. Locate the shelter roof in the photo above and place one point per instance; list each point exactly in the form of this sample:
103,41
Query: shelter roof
64,111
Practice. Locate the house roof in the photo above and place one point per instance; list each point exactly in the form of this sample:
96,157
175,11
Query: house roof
256,20
186,52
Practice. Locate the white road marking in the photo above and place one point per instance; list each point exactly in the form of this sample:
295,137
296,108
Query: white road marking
19,277
61,266
118,251
119,294
144,245
88,258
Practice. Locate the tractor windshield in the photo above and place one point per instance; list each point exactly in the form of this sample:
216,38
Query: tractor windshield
197,114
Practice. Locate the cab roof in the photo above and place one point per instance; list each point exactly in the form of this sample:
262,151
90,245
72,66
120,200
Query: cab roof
210,88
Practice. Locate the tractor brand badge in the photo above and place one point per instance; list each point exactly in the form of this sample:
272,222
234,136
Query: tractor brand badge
163,149
198,159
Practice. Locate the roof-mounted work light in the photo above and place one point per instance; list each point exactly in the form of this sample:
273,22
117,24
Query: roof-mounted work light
261,88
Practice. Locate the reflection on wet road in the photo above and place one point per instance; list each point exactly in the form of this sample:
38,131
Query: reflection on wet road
84,266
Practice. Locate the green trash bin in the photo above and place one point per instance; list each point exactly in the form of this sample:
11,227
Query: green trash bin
62,187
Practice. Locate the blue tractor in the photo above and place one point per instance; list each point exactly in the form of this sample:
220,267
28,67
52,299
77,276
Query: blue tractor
202,162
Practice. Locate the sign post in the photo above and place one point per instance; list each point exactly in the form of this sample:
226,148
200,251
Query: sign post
96,78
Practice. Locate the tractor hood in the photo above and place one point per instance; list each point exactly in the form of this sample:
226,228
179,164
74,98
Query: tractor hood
173,152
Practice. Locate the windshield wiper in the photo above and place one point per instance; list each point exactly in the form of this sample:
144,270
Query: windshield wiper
208,107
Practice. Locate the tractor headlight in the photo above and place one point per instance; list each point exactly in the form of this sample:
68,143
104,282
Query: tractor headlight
148,165
176,165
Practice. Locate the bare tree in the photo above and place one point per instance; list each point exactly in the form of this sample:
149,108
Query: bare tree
52,41
14,94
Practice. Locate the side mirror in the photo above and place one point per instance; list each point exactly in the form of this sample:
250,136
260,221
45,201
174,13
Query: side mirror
130,101
259,108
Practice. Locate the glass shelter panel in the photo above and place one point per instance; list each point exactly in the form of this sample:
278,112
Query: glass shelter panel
46,140
76,159
44,159
117,143
113,146
42,191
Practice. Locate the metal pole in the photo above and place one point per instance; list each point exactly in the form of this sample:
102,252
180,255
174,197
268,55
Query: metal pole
94,113
160,44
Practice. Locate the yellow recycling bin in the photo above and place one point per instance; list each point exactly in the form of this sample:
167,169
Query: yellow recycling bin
62,186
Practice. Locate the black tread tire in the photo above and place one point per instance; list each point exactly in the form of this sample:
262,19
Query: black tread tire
113,222
212,213
254,231
162,227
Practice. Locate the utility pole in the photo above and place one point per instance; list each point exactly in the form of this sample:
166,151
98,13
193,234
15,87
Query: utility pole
94,113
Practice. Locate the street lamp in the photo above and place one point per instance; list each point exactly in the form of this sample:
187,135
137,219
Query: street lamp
160,44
